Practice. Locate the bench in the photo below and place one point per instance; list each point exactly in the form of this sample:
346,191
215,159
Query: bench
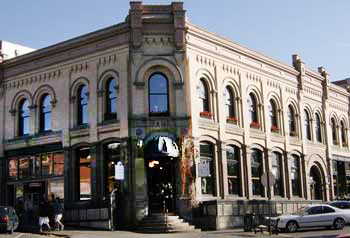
262,228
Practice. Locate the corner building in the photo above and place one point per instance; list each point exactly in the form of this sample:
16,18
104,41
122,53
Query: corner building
193,119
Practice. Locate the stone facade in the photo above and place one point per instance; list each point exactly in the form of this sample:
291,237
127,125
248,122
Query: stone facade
253,114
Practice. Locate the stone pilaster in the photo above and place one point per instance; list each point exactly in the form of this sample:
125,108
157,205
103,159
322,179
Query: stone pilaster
68,176
135,18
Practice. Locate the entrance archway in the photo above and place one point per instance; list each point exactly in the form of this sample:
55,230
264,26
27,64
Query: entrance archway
161,154
316,185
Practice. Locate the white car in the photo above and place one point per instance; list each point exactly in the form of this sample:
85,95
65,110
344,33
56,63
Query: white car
313,216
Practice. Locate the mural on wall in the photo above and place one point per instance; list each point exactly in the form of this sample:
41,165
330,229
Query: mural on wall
189,154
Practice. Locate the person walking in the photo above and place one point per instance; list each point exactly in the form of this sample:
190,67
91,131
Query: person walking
58,211
44,215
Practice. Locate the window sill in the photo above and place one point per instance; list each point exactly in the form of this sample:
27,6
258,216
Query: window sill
80,127
108,122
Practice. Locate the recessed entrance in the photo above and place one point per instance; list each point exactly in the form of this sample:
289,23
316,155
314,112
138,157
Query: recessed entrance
316,184
161,184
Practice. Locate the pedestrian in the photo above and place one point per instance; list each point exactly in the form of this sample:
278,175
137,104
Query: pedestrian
58,211
44,215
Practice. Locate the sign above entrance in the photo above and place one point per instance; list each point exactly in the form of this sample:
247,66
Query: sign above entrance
119,171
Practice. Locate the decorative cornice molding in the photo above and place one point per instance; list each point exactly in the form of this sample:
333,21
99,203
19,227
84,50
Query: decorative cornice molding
205,61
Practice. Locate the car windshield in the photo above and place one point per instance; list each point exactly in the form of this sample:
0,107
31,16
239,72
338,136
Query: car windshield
300,211
3,211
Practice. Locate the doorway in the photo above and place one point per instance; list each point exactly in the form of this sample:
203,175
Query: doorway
161,184
316,184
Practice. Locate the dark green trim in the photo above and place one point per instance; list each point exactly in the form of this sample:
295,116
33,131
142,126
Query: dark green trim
34,150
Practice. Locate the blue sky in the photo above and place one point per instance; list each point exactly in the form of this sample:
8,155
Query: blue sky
317,30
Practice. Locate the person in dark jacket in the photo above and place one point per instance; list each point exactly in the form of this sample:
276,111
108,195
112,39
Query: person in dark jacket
58,211
44,215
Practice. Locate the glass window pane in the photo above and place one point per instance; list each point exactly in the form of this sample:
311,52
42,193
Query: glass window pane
24,171
83,105
158,103
256,167
46,161
207,156
37,166
85,173
59,163
158,94
158,84
12,165
56,187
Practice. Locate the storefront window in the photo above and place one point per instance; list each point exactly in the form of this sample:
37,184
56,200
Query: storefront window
277,171
257,170
56,187
233,169
58,163
295,176
46,162
112,153
85,173
37,165
207,158
24,170
13,170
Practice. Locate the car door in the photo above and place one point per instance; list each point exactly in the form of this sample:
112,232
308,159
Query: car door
312,217
328,215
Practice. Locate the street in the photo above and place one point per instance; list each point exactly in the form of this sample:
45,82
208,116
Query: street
309,233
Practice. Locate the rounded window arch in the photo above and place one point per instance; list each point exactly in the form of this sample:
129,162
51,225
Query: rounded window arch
204,95
253,111
45,113
24,118
307,124
83,100
233,157
207,159
111,99
257,171
334,131
318,128
273,116
343,133
291,121
158,93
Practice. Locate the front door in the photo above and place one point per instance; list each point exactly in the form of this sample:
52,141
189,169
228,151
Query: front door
161,184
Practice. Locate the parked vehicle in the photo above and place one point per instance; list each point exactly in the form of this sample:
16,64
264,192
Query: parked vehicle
313,216
8,219
340,204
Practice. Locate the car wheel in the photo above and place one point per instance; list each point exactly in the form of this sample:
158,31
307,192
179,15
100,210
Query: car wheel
292,226
339,223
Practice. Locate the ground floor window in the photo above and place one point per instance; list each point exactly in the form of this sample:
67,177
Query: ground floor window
295,176
277,171
84,169
257,171
207,168
233,170
112,157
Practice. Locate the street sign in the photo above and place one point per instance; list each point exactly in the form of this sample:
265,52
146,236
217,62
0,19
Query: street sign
269,176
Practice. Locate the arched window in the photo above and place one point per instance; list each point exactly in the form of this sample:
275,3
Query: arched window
257,171
204,97
273,117
343,133
318,129
291,121
253,111
207,161
334,132
158,95
24,118
83,99
45,113
233,170
111,99
307,125
230,106
295,176
277,171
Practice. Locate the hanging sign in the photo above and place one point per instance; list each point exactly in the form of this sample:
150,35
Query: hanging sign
119,171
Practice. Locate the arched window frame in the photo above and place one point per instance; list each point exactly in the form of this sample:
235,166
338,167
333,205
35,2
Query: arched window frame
230,106
164,95
233,158
334,131
307,125
204,99
257,169
273,113
318,128
277,170
253,111
292,124
343,132
111,99
207,155
295,173
24,120
82,105
45,111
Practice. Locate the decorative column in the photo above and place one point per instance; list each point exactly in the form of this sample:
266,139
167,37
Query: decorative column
269,193
68,176
248,172
223,175
288,184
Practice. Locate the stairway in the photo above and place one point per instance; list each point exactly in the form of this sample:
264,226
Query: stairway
158,223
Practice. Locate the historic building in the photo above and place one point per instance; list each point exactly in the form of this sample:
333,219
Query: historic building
183,118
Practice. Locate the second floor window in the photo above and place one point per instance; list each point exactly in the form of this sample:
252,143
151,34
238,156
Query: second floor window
229,103
343,133
45,113
111,99
83,99
291,121
204,96
334,132
318,129
273,117
253,111
307,125
158,95
24,118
